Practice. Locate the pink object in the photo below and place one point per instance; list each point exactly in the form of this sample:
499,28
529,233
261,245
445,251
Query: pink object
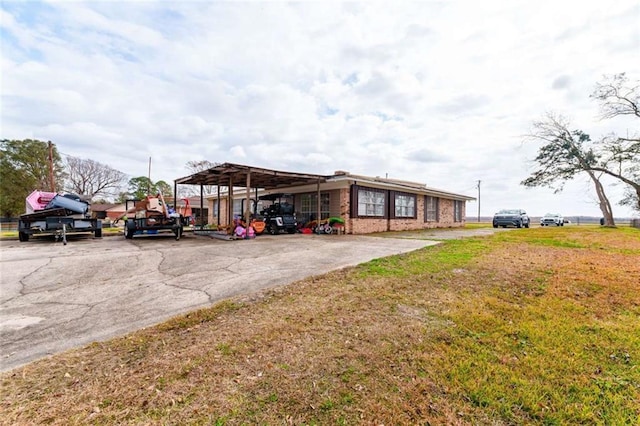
38,200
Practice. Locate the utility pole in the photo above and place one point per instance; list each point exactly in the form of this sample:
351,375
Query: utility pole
479,200
51,175
149,182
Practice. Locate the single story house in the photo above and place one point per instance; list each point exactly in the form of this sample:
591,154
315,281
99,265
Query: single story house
101,210
366,204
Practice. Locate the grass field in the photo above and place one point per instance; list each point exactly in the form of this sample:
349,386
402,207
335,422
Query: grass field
534,326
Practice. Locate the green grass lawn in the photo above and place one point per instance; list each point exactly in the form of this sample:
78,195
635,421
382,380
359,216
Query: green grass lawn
536,326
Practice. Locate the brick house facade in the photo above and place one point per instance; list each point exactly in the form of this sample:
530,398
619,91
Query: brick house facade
366,204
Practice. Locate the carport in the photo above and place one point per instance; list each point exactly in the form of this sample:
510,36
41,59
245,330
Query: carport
242,176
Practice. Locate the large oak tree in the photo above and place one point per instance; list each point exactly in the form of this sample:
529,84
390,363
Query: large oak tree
565,154
27,165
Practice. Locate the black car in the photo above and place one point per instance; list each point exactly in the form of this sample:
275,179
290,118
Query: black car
511,217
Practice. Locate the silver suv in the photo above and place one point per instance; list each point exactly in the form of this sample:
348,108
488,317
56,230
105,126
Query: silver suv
511,217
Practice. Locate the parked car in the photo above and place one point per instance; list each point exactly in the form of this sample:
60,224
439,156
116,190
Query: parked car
511,217
552,219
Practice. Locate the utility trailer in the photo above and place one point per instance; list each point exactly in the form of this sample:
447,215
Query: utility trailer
151,216
56,215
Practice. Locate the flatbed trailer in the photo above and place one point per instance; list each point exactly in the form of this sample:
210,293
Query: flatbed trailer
58,223
151,216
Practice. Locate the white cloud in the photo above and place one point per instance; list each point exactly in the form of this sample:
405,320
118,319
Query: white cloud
440,93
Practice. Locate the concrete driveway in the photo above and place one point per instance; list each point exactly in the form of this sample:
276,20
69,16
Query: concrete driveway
55,297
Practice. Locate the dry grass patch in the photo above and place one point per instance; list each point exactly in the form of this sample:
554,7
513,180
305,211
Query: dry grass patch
536,327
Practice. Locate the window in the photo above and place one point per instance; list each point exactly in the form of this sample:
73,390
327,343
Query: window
404,205
309,206
457,210
237,207
431,213
371,202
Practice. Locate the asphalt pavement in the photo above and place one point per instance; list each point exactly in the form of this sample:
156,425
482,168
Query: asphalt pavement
55,297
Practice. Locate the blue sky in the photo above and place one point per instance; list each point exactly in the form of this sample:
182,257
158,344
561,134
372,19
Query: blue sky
435,92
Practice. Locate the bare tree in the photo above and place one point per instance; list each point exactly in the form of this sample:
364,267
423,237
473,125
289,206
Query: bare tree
617,96
91,178
620,155
196,166
621,160
563,155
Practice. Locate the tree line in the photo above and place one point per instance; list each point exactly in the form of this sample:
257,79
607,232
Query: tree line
566,153
30,164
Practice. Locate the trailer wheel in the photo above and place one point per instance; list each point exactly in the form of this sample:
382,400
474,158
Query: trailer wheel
23,236
129,229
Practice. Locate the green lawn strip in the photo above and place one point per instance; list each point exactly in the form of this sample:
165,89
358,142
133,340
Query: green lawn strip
450,255
544,361
573,237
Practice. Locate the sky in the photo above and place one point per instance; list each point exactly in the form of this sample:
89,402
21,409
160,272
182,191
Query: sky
442,93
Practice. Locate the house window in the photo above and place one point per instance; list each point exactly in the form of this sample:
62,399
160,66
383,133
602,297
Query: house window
309,206
431,209
404,205
371,202
237,207
457,210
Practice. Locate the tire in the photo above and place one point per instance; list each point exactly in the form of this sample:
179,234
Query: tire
98,233
23,236
495,226
129,229
519,224
526,225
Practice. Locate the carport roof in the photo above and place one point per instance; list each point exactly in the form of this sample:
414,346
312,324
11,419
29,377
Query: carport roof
227,174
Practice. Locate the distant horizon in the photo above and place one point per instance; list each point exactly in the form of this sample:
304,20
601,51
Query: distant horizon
587,217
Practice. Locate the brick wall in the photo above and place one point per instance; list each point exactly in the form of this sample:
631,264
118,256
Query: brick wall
446,213
339,200
366,226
